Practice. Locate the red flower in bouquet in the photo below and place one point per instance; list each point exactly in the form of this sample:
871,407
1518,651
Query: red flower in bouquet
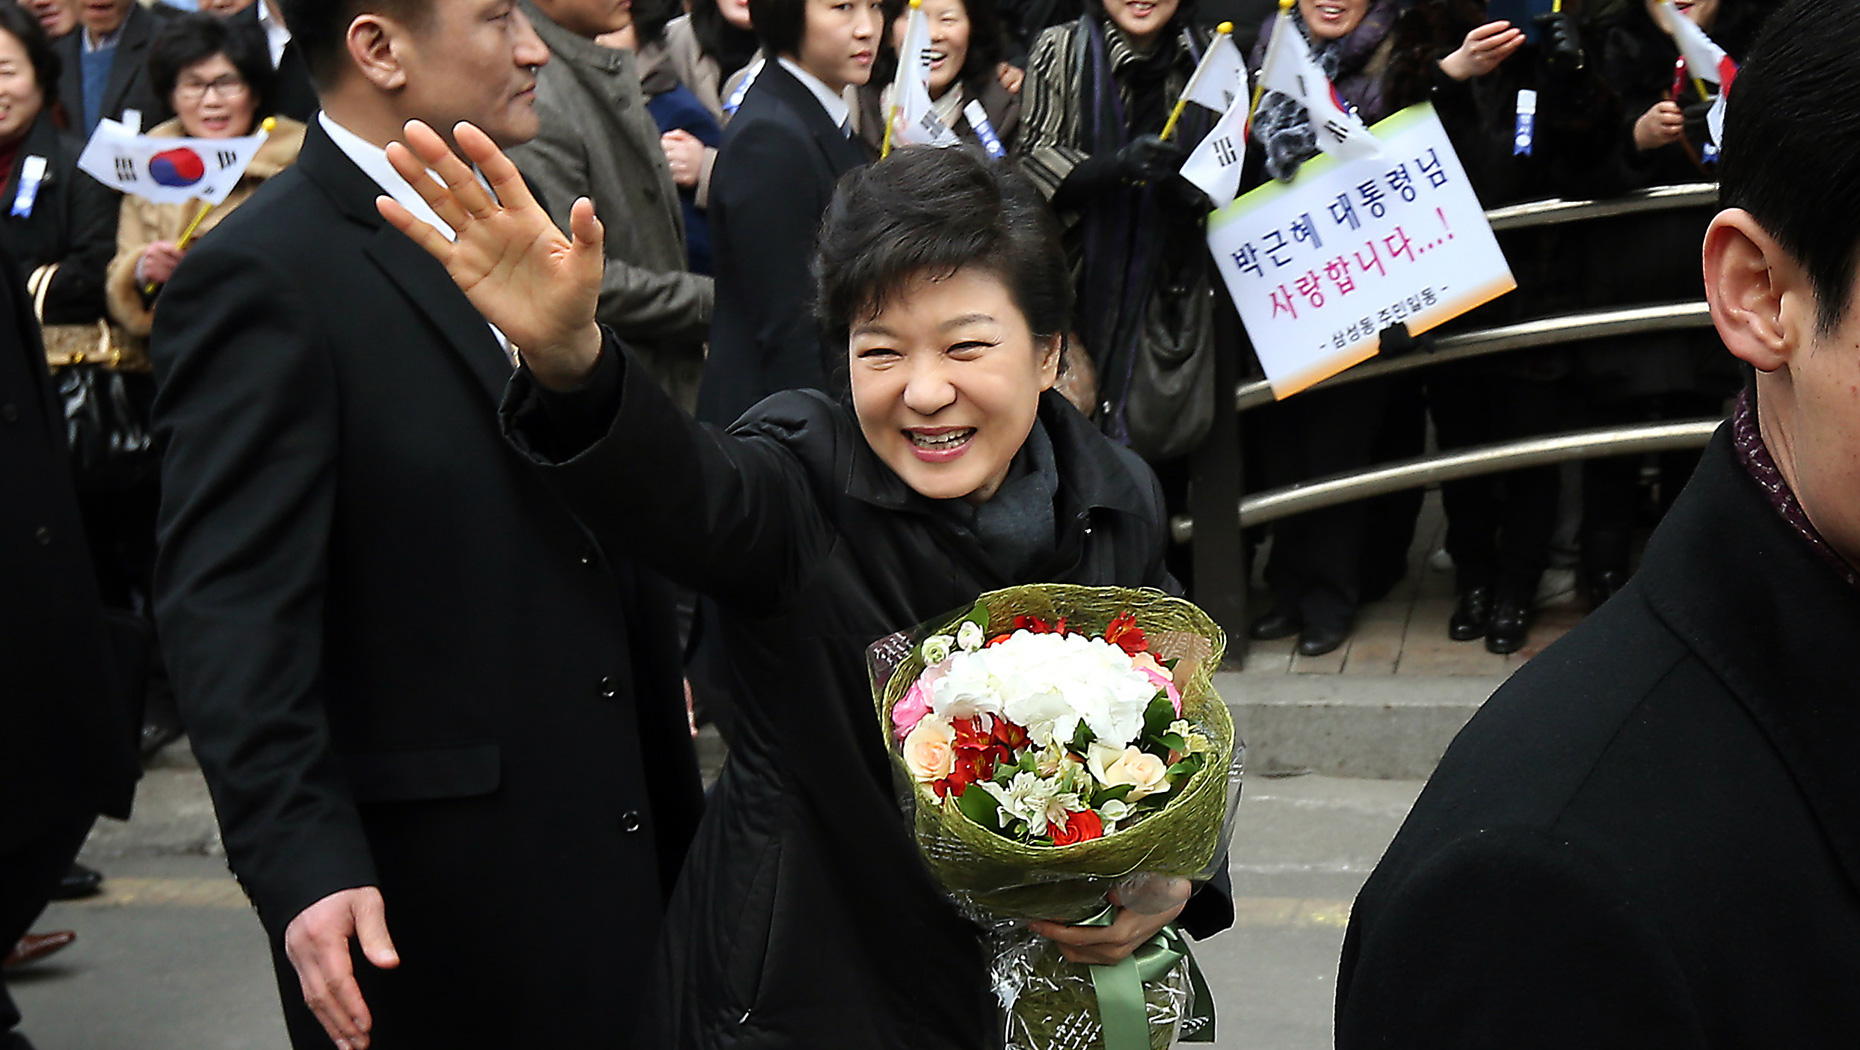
1079,827
1035,625
1124,633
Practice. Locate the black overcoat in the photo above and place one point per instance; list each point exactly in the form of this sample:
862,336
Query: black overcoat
128,86
781,158
72,222
67,739
401,660
1650,837
805,917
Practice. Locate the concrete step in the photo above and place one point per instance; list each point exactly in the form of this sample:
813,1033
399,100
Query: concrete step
1389,727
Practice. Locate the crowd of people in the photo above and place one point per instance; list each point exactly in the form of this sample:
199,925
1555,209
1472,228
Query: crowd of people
432,652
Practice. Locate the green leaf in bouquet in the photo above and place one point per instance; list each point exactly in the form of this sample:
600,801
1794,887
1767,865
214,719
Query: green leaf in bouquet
1158,715
980,806
1188,767
1172,742
1109,794
1082,737
978,616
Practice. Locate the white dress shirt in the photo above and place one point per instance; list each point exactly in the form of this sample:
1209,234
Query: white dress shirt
373,161
837,109
277,34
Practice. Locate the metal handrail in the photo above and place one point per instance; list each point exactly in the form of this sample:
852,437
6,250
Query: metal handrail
1557,210
1461,463
1544,331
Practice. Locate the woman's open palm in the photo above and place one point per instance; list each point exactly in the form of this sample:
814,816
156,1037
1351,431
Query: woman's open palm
536,285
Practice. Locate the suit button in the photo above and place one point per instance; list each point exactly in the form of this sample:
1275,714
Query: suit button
629,821
43,535
610,689
10,413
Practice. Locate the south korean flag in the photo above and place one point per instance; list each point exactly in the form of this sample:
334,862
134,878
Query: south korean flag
1215,165
1290,70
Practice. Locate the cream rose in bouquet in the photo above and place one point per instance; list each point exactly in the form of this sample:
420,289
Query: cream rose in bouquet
1054,743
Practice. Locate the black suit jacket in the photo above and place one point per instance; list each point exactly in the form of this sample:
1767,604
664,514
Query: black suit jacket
129,86
295,95
401,661
66,739
72,223
781,158
1651,835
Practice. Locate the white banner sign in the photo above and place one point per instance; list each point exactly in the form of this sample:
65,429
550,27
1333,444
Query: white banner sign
1320,266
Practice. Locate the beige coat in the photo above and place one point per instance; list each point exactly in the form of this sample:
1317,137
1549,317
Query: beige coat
142,222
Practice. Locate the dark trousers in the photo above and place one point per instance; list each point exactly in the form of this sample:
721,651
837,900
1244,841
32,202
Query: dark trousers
1323,562
28,875
1498,525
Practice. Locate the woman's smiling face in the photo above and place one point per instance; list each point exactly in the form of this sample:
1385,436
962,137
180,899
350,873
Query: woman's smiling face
946,381
1332,19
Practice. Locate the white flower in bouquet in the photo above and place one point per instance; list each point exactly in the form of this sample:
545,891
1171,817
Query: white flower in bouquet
1050,682
967,689
937,648
1036,800
969,636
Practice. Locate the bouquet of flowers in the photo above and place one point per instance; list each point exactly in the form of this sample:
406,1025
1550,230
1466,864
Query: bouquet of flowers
1052,744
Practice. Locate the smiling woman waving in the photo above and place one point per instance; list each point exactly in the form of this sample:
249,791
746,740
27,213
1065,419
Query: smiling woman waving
804,917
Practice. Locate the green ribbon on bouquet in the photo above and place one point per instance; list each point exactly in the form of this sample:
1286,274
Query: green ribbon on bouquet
1121,1009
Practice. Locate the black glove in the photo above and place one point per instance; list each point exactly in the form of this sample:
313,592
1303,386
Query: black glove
1561,44
1178,194
1147,158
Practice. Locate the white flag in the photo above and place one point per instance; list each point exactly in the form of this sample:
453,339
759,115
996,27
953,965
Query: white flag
1220,78
1215,165
167,170
917,122
1290,70
1704,60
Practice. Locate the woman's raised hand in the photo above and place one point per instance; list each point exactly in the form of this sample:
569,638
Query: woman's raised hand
536,285
1482,50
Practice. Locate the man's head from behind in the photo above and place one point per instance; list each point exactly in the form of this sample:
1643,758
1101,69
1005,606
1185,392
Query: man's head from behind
384,62
1780,260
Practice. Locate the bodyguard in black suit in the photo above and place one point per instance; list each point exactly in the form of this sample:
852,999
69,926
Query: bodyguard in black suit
67,739
128,26
781,157
437,718
1650,837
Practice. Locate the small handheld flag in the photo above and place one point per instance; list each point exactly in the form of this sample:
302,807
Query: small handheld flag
913,115
1213,82
1290,70
1215,165
168,170
1704,59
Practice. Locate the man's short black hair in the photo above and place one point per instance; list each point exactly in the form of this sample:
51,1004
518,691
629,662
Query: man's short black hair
190,38
930,211
1792,144
24,27
320,29
780,23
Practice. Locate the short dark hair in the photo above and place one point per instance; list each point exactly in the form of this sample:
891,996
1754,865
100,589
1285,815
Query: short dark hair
1792,124
986,42
780,24
320,29
46,67
925,210
190,38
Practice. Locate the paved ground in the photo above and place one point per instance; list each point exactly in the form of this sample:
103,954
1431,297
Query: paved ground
170,957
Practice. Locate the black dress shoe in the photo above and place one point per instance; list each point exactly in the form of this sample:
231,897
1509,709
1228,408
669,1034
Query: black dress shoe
155,736
1277,624
1316,641
78,882
1511,623
1472,615
1603,585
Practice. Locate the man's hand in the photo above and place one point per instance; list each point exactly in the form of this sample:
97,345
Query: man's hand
1110,945
1011,76
1482,50
317,943
684,154
158,262
1659,126
536,285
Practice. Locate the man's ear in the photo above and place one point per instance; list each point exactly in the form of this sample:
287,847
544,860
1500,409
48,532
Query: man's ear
1050,349
372,42
1761,299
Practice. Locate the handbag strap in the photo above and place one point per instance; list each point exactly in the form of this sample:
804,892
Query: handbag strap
37,285
109,351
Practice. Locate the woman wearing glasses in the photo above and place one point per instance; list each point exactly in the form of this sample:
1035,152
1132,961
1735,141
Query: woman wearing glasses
217,75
